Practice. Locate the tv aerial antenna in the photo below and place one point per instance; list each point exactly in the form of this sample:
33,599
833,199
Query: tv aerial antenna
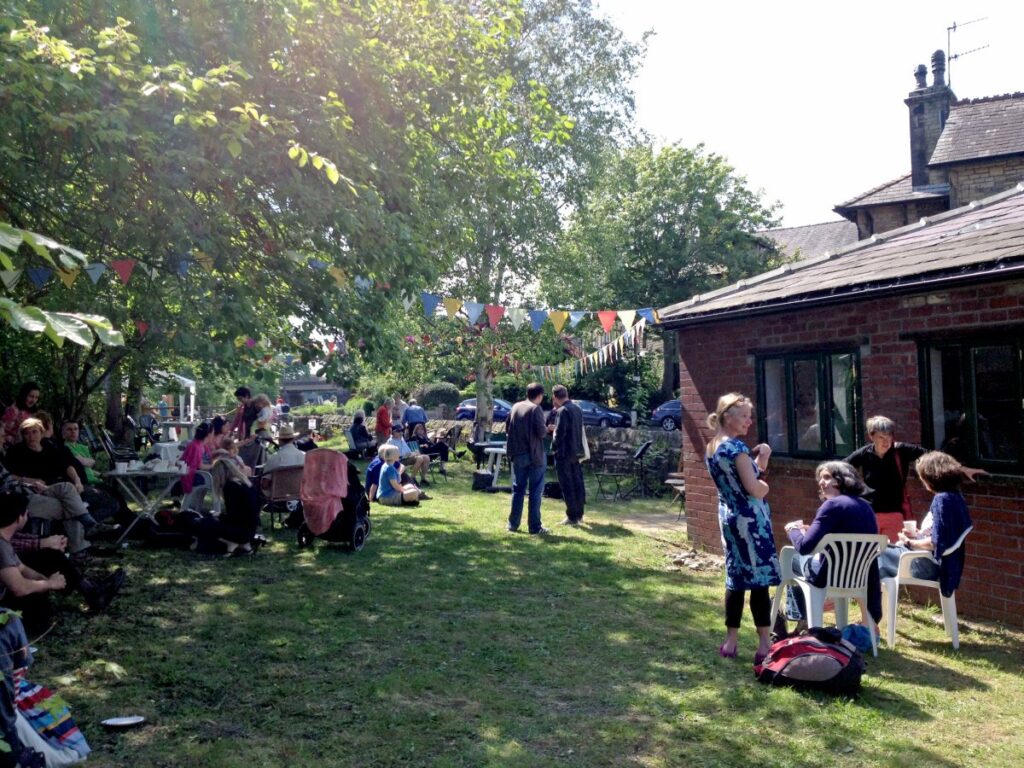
950,56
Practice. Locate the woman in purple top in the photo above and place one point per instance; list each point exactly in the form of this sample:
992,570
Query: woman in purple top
843,511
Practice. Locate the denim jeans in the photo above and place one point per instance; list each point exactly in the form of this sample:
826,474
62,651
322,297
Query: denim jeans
526,474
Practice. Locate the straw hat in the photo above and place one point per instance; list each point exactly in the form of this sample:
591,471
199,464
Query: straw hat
285,432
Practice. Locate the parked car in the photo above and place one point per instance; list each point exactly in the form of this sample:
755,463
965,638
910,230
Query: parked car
599,415
668,415
467,409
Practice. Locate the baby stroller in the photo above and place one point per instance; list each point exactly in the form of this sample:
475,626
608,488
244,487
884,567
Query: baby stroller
333,501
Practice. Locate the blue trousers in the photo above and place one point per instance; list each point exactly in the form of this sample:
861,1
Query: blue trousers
526,476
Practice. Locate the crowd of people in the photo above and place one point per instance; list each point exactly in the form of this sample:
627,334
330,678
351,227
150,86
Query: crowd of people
860,495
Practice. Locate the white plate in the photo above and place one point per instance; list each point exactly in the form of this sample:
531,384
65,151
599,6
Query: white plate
123,722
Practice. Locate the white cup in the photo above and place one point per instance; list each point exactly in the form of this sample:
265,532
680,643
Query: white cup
120,467
910,527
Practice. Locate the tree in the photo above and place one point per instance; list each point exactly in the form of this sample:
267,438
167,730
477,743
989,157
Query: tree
251,160
657,228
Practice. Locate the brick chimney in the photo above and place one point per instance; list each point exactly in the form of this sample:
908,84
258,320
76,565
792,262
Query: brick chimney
929,108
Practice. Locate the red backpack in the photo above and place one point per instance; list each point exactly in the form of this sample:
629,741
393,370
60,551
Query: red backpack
817,659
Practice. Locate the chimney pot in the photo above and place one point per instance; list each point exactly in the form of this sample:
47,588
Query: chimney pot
938,69
920,74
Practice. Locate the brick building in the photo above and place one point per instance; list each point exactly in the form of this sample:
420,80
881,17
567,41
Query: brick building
922,322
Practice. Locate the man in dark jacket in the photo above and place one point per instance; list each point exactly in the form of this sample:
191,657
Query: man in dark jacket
568,448
526,432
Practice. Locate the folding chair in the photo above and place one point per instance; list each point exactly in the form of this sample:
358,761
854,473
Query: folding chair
613,474
285,486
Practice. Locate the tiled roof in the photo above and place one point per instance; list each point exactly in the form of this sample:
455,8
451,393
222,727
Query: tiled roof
896,191
988,235
982,128
812,239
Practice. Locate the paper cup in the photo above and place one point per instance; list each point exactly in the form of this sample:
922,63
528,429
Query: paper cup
120,467
910,526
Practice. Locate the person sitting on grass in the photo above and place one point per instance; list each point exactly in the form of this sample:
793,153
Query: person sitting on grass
390,491
417,462
239,520
373,476
24,587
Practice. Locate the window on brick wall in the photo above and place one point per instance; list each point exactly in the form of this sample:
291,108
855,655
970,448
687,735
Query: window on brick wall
809,403
973,400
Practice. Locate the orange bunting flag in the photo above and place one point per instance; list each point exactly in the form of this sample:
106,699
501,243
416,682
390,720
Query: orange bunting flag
494,314
607,318
124,269
452,306
558,318
68,276
339,276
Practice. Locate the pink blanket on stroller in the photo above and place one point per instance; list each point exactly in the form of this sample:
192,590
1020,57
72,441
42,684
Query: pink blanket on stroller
324,484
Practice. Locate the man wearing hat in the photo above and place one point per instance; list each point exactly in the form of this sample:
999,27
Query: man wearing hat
287,454
416,462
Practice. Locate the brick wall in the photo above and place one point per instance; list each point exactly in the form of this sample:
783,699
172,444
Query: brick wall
973,182
718,358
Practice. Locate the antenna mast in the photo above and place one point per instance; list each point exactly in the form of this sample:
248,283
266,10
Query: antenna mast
950,56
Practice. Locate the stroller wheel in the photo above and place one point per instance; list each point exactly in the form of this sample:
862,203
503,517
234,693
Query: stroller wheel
366,523
358,538
304,536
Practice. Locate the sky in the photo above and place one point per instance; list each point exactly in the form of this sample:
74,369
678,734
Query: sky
805,99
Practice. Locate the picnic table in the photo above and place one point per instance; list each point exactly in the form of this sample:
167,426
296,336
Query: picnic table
131,481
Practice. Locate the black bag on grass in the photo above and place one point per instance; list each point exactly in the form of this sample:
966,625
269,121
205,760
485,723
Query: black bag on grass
482,480
816,659
552,490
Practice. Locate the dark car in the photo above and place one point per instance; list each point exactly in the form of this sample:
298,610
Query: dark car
467,409
669,415
601,415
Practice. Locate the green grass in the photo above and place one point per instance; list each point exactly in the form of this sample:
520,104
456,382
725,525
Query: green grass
450,642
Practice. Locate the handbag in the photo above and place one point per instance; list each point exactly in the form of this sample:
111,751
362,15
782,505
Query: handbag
586,445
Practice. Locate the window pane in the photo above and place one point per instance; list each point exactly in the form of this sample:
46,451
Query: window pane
998,403
949,414
844,414
807,405
776,423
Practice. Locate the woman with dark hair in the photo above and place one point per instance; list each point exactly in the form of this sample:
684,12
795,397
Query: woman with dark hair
197,456
843,510
435,449
26,403
751,562
221,428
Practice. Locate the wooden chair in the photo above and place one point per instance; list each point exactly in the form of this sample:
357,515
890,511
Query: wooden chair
285,486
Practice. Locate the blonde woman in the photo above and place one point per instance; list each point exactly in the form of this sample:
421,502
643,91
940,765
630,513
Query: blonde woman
238,522
751,562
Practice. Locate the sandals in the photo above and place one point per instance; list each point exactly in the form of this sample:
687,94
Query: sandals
726,654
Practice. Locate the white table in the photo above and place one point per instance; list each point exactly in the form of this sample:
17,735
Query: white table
167,451
148,504
494,456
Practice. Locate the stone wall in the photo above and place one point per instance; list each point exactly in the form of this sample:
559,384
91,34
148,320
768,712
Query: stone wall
975,181
718,358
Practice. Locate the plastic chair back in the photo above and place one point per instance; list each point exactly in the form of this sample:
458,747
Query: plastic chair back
849,557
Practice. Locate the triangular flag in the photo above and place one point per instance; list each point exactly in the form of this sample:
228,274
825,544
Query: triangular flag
558,318
94,271
318,264
517,315
141,327
39,276
537,318
452,306
407,301
10,278
381,285
473,310
289,359
364,283
647,313
330,346
340,278
204,260
250,342
430,302
68,276
267,358
575,317
607,318
494,314
627,316
124,269
183,266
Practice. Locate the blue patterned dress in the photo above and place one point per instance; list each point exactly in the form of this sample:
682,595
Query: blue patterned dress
750,557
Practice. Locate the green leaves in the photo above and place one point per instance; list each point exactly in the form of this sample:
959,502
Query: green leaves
58,326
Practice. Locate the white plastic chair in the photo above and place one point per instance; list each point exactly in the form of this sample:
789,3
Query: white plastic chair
891,591
194,499
849,557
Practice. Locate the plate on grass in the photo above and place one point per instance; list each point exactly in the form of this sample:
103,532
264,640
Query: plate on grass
129,721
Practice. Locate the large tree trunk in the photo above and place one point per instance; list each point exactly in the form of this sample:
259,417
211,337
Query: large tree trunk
484,400
114,417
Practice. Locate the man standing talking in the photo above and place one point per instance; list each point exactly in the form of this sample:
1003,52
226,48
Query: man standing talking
526,432
568,448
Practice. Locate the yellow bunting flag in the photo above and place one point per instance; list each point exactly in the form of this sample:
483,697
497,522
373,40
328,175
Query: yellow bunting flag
204,260
558,318
68,276
339,276
452,306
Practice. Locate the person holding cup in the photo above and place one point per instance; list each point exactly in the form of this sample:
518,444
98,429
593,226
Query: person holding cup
945,523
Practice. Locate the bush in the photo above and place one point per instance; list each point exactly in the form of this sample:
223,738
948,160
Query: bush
357,404
437,393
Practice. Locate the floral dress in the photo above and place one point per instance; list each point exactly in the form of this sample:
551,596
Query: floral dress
747,541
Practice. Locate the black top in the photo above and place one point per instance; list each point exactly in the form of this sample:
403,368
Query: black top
884,476
526,432
568,438
49,465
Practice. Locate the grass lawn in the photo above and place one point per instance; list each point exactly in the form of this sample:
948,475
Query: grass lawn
450,642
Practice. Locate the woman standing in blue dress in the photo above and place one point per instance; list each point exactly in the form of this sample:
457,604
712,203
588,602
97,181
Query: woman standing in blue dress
751,561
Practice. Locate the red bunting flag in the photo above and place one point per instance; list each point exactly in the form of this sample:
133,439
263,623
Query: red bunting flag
140,326
494,314
607,318
330,346
124,269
